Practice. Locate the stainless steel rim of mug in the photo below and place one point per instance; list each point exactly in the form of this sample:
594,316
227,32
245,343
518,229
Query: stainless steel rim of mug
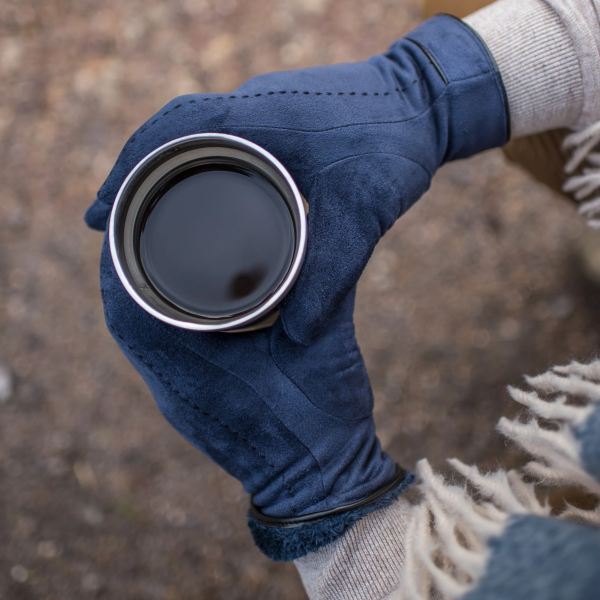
263,309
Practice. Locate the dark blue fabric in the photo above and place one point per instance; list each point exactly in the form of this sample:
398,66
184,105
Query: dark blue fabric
293,423
288,410
361,140
588,434
280,543
540,558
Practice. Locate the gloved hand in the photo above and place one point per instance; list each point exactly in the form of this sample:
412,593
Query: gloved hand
293,423
362,142
288,410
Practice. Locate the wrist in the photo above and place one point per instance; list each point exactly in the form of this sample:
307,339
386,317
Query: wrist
548,55
471,108
285,539
366,562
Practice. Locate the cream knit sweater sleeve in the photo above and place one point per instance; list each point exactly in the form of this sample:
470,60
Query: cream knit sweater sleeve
548,53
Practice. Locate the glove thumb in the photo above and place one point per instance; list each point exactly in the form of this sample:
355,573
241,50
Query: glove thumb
352,204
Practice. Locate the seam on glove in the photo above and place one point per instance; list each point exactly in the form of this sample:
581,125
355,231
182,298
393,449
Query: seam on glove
293,382
245,96
317,131
214,97
432,60
495,70
196,407
306,395
199,355
339,160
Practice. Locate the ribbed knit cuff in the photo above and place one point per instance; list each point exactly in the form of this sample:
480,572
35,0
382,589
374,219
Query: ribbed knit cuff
364,564
539,61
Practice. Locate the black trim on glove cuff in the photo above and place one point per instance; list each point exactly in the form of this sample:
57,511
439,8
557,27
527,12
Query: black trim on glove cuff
290,522
290,538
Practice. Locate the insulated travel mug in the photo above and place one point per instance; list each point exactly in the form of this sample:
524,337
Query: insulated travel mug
208,233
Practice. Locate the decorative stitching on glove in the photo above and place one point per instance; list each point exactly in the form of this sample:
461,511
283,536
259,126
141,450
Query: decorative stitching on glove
379,94
399,90
195,406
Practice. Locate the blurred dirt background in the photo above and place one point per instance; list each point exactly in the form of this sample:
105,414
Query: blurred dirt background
475,286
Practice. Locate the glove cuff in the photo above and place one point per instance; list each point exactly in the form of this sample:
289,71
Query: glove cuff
474,102
286,539
497,73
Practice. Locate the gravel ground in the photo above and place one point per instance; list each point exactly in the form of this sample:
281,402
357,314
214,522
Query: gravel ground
98,496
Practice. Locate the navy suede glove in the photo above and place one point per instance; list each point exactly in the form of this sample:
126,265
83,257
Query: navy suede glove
293,423
288,410
361,140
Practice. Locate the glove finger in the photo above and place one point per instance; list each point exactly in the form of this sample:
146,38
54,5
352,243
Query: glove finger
178,118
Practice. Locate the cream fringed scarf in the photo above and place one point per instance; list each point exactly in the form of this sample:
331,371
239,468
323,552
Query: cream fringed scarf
446,541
